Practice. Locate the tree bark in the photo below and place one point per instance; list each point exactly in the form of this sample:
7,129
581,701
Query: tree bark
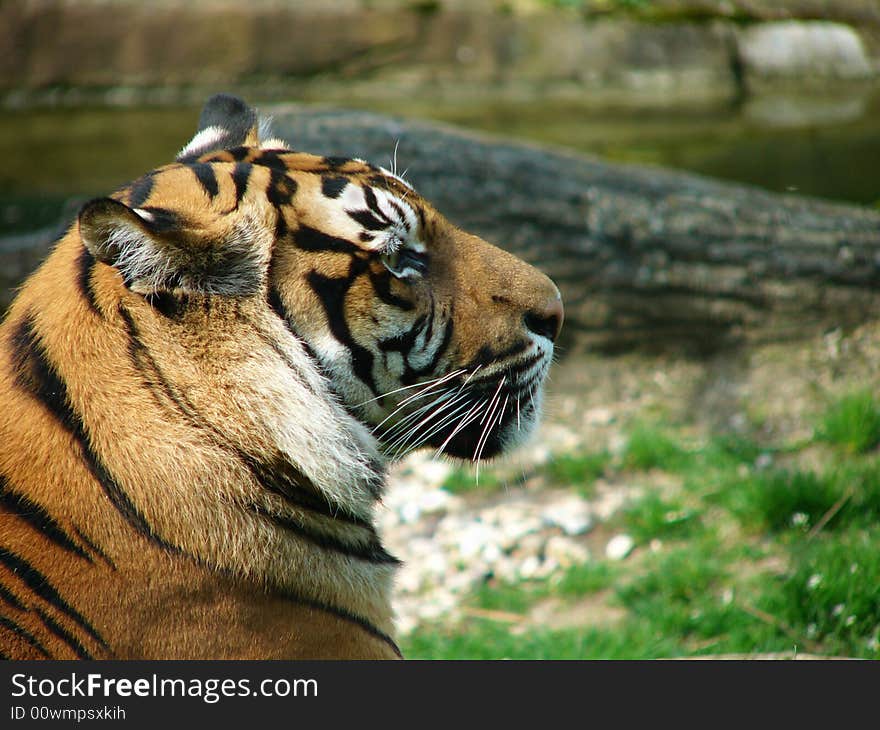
644,257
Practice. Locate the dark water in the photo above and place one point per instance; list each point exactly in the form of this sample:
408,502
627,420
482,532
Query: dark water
826,147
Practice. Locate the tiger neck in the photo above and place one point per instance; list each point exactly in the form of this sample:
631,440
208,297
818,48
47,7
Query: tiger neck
279,491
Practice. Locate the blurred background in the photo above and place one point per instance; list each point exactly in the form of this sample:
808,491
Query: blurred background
678,500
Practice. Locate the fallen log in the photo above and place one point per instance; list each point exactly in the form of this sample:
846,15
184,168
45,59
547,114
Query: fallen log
644,257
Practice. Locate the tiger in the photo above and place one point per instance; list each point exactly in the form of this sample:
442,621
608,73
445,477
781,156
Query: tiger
205,383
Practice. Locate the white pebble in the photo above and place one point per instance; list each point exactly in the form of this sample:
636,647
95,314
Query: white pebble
619,547
572,515
565,552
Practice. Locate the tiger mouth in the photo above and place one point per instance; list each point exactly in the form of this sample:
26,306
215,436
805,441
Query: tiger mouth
467,416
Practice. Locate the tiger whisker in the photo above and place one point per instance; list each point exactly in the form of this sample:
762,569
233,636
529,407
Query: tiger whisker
490,411
428,389
400,406
497,391
457,406
414,385
485,441
421,394
447,418
435,408
465,420
403,423
503,408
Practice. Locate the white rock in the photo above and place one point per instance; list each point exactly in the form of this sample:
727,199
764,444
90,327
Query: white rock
491,553
548,567
803,49
619,547
607,502
529,567
571,514
409,512
475,537
565,552
505,569
598,416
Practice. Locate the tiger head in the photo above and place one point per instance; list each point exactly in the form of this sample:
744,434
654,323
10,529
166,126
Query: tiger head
427,335
203,383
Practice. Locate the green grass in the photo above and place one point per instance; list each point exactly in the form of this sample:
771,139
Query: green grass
654,517
582,580
465,479
853,423
652,448
780,499
576,470
749,548
832,592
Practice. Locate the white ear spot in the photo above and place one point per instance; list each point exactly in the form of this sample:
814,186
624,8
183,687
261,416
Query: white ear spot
145,214
274,144
204,141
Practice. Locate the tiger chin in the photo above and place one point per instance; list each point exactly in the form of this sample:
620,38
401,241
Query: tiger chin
202,386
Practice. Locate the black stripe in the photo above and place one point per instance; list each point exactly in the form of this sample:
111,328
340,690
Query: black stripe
274,300
94,548
240,175
65,635
331,292
10,625
439,352
345,615
281,228
335,162
367,220
332,186
371,552
240,153
36,376
40,585
274,159
86,263
373,204
204,173
382,284
11,598
283,479
38,518
403,343
429,331
397,207
311,239
281,188
486,355
140,191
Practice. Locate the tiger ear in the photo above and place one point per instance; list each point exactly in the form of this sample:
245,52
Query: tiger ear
225,122
152,256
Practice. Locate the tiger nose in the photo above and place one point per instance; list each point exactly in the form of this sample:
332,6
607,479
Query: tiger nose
546,321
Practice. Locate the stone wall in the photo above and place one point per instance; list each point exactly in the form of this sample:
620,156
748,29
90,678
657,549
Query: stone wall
699,51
